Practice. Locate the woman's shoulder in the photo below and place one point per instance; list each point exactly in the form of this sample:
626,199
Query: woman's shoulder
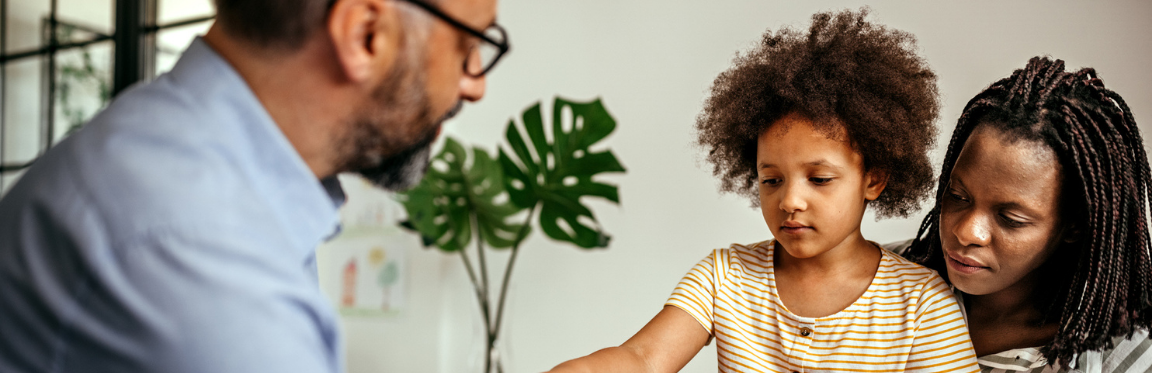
1128,355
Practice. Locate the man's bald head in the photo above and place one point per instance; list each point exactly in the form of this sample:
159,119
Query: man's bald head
281,25
277,24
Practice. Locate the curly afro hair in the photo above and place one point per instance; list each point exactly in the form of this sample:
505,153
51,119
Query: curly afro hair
843,73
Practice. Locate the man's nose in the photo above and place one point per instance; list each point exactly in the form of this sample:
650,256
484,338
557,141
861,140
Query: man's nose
471,87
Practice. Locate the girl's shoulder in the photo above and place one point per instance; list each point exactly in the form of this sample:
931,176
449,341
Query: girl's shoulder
893,252
759,253
898,247
894,264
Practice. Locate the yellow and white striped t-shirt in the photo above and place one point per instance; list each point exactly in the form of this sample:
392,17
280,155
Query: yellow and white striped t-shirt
907,319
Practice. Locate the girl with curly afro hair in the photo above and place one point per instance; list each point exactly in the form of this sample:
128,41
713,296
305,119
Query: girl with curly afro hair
814,127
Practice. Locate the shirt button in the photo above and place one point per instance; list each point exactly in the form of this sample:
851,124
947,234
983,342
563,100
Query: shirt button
805,331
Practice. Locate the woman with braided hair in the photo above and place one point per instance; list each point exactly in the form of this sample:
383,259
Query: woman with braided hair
1041,224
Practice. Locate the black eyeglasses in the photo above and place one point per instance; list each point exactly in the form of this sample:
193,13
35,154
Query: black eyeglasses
494,41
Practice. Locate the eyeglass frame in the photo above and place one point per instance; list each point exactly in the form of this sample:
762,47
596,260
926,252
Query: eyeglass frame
502,46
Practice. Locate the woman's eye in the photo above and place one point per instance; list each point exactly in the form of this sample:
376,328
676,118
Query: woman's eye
1010,222
820,180
956,197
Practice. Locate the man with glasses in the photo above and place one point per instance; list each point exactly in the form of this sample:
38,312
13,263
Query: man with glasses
176,231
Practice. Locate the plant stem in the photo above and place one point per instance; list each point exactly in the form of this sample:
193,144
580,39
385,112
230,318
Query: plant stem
508,270
490,336
483,263
476,286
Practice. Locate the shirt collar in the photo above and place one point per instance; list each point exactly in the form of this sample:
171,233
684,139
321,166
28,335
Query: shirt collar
306,207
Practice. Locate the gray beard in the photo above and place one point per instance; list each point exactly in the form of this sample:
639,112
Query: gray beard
389,141
401,102
400,171
405,169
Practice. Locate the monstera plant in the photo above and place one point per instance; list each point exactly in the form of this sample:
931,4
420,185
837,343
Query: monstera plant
485,197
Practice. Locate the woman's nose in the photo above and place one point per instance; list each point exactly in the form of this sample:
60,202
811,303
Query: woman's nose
972,230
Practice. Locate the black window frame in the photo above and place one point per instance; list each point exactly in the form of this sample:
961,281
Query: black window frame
134,56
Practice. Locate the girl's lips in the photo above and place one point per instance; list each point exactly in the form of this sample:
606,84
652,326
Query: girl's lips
964,265
794,228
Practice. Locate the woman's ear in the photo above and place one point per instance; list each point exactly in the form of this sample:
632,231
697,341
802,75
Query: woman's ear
365,35
874,183
1070,233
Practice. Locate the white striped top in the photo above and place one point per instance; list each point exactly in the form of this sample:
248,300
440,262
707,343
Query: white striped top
1129,355
907,319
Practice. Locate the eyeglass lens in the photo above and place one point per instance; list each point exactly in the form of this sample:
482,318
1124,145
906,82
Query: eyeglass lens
485,54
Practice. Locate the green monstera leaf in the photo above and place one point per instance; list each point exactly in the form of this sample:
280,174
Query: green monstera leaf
558,173
440,208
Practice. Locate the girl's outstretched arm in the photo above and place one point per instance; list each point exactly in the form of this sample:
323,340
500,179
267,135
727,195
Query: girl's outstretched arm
666,344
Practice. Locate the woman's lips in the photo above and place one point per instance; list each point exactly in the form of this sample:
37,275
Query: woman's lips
964,265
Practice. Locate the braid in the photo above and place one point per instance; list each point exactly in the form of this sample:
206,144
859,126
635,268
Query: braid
1106,191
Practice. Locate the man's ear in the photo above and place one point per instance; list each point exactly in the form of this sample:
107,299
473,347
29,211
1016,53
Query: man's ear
874,183
366,37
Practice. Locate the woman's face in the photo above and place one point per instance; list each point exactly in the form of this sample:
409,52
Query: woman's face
1000,216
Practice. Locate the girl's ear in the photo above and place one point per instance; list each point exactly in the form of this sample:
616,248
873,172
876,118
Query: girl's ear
874,183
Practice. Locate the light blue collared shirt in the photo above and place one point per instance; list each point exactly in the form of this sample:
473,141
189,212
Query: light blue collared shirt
175,233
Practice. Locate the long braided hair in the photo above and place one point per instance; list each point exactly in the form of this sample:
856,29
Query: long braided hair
1106,189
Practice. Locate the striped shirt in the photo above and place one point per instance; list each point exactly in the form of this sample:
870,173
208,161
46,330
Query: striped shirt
907,319
1129,355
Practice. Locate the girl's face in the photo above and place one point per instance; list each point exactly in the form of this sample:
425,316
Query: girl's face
999,219
813,189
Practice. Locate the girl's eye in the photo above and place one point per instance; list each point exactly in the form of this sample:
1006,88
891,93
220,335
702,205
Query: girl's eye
820,180
770,182
956,196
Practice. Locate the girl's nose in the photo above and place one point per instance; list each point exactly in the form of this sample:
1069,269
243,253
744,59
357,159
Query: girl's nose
792,199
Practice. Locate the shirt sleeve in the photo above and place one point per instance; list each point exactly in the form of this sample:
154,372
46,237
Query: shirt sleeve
217,299
942,343
696,292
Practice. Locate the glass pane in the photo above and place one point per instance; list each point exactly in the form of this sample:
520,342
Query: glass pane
170,11
97,16
24,23
20,101
83,86
22,131
80,82
171,42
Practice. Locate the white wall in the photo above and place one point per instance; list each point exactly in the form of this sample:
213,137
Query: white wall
652,63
